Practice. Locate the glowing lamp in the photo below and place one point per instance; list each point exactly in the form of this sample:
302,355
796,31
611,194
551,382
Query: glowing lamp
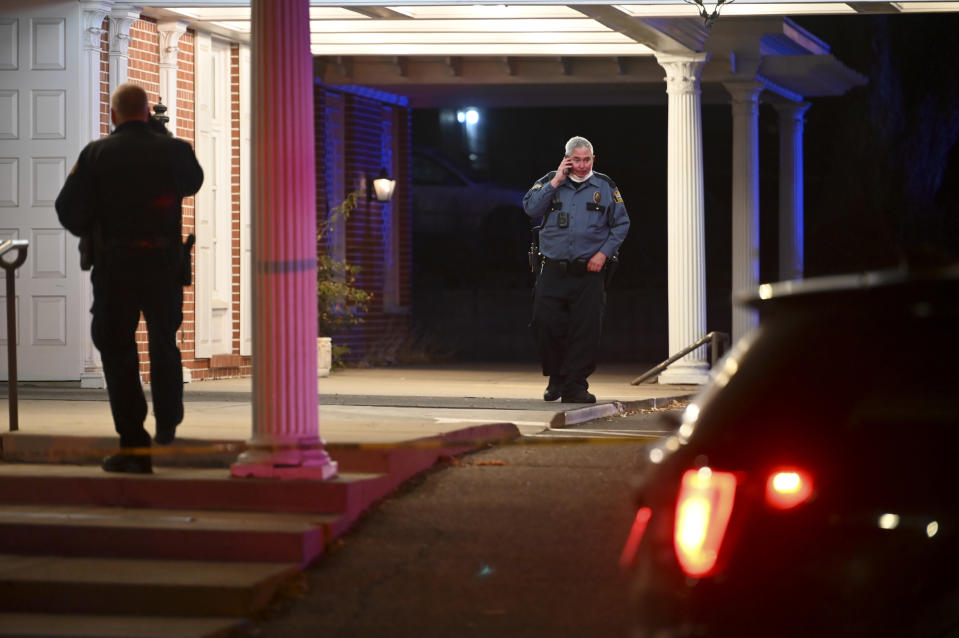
381,187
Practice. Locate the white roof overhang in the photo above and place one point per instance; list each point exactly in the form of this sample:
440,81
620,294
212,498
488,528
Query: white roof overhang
535,52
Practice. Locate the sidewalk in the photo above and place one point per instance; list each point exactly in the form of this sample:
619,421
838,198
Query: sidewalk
197,551
372,405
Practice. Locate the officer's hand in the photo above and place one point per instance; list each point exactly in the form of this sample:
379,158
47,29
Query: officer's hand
596,262
565,167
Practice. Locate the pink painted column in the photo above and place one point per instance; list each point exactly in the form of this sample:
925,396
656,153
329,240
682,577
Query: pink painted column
286,441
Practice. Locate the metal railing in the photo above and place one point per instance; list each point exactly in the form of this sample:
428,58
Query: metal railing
19,245
717,341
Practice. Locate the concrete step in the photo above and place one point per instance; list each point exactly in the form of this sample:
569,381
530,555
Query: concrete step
188,488
28,447
92,626
368,457
62,585
119,532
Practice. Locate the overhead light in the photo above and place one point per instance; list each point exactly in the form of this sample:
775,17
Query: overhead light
468,116
380,188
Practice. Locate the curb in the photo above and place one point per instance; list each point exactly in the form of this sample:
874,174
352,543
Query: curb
576,416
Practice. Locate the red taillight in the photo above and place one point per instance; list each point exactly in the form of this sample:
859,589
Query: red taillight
702,513
788,488
635,536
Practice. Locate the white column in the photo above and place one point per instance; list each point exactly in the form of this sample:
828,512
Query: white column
91,21
286,440
122,18
745,231
791,236
686,269
170,32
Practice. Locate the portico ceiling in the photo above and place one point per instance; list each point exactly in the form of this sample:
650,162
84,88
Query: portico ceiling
535,53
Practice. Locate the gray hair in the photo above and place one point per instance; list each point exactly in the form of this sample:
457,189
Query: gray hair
578,142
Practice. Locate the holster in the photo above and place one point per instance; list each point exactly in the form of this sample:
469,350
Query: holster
91,242
86,251
533,256
610,267
186,270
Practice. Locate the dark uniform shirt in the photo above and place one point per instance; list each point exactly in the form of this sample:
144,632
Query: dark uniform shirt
596,216
128,188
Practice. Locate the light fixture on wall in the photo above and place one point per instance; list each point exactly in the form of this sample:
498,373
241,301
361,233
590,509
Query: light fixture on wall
380,188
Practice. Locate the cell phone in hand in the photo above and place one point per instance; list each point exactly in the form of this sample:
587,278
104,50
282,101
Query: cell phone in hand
566,171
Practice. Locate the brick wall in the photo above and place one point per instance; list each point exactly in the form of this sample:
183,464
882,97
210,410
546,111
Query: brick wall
364,152
105,79
375,340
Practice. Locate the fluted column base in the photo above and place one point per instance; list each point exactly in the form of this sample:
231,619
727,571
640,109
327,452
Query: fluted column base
303,459
683,372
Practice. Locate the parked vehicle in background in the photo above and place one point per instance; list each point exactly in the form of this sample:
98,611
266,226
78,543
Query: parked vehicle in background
809,489
448,198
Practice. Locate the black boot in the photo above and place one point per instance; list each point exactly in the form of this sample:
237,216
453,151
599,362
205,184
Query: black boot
555,388
128,463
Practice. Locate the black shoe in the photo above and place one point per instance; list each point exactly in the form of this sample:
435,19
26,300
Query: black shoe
129,463
552,393
582,396
165,435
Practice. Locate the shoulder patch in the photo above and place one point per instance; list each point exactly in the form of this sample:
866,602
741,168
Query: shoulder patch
617,197
542,181
605,178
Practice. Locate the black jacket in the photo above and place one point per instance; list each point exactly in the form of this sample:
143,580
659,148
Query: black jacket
127,189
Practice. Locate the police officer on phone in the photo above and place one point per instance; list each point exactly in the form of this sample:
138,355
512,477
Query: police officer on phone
125,194
584,222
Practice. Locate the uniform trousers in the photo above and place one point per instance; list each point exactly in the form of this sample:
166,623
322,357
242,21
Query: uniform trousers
119,296
568,307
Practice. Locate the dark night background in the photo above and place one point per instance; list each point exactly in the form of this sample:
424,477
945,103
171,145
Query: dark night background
881,189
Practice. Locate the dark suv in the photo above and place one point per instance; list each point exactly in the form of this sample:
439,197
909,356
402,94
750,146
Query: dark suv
810,488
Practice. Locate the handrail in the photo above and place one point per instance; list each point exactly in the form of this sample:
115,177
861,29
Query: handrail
19,245
714,337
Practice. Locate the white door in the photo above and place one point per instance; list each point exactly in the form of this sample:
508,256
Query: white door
39,141
214,231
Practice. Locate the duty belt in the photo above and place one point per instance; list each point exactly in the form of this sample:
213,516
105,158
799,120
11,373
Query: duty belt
141,243
568,266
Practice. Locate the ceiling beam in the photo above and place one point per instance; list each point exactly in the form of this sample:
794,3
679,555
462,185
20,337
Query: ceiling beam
662,36
379,12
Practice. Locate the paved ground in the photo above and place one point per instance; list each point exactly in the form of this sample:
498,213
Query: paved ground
516,540
380,405
520,540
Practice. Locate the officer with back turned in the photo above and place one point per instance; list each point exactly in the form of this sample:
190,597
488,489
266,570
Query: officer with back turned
125,192
584,224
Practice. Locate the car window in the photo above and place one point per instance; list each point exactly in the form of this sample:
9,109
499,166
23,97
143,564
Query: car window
427,171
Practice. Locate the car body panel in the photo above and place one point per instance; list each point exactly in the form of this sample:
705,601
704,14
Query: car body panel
856,385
